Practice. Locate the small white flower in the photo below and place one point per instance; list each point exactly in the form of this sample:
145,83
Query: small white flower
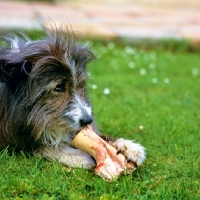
154,80
141,127
152,66
106,91
195,71
111,45
94,86
89,74
153,55
143,72
166,80
129,50
131,65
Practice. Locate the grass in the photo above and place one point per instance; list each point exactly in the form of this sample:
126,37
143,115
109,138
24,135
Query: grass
153,99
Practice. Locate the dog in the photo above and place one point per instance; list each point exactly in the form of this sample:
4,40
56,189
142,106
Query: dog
44,101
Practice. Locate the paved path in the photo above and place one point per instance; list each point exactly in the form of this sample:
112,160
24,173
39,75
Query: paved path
122,19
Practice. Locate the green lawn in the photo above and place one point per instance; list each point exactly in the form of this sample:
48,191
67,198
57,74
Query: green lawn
153,97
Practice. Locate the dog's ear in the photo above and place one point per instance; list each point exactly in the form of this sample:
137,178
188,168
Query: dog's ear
14,72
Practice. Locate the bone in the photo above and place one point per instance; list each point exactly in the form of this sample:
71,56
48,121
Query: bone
109,163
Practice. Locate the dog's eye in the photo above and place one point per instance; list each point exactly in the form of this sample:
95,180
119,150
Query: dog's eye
60,87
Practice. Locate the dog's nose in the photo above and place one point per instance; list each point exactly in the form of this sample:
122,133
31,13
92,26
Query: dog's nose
86,120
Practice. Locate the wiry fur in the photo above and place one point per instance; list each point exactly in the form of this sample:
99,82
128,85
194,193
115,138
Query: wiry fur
43,98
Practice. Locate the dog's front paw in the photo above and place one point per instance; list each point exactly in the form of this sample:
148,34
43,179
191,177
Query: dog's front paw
132,151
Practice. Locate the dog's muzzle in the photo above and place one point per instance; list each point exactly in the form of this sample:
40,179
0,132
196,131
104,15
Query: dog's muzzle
85,120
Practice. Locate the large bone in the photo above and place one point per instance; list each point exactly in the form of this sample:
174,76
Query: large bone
110,163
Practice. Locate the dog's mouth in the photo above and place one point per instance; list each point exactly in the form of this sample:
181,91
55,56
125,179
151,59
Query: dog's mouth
84,127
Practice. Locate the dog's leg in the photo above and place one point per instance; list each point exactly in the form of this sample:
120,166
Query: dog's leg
69,156
132,151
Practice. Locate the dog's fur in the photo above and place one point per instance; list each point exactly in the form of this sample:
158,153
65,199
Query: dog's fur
43,98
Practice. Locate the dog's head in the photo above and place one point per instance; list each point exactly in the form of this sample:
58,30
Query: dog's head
46,82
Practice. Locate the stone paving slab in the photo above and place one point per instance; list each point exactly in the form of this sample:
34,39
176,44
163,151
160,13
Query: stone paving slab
127,19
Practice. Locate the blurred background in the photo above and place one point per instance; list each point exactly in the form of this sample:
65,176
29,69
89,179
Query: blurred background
129,19
144,86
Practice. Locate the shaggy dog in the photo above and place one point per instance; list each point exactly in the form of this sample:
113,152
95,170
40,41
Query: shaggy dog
43,98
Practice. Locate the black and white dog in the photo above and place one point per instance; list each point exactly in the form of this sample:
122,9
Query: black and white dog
43,99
